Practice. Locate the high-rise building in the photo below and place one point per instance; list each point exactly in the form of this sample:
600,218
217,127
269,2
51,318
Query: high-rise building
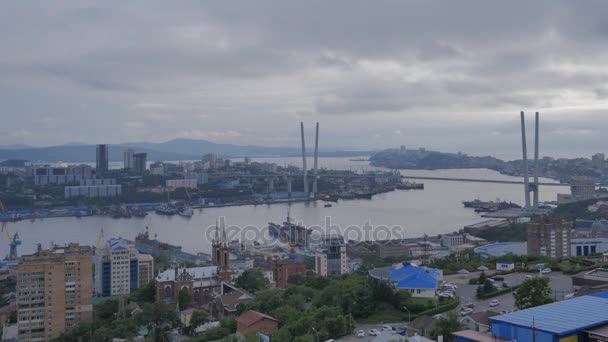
116,268
582,188
139,163
54,291
550,237
128,160
146,268
101,166
330,256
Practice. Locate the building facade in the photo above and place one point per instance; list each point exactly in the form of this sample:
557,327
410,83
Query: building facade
202,283
549,238
330,257
181,183
116,269
128,159
92,191
140,163
45,175
102,161
54,292
282,269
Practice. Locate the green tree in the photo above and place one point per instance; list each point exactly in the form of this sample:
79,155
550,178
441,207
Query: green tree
199,317
185,298
146,294
533,292
251,280
485,288
446,325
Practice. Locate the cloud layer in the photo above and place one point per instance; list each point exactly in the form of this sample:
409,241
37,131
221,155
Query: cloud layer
442,75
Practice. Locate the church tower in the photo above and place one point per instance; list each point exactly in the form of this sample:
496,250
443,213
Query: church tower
221,253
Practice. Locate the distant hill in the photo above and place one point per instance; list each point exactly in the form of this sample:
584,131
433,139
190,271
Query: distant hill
177,149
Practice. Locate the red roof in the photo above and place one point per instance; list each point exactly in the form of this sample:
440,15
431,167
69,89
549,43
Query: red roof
250,317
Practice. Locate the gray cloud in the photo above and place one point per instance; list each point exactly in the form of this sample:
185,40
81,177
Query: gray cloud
448,76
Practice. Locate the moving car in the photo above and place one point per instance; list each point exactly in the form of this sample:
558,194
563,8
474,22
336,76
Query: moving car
495,302
373,332
529,277
546,271
360,333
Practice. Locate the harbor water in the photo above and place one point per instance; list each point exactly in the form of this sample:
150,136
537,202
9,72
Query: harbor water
435,210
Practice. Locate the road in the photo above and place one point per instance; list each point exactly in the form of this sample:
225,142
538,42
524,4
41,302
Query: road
560,285
385,336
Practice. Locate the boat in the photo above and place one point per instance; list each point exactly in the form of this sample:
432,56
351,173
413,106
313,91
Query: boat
328,205
186,212
410,186
165,210
289,232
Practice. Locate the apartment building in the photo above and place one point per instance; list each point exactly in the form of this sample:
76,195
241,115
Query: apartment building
549,237
54,291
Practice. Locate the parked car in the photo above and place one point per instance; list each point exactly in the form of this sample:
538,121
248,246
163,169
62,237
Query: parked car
570,295
360,333
495,302
373,332
330,340
546,271
528,277
387,327
446,295
469,305
466,311
401,331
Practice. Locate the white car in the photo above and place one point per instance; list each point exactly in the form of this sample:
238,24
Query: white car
373,332
466,311
387,327
546,271
495,302
330,340
529,277
360,333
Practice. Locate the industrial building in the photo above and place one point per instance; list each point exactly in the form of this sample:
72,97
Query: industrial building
502,248
421,282
579,319
66,274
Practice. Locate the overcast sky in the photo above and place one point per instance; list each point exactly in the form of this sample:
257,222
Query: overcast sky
446,75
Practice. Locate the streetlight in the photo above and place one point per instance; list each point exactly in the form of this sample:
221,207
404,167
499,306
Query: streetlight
315,330
409,316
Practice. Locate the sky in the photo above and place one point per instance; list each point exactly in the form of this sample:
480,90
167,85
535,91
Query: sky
449,76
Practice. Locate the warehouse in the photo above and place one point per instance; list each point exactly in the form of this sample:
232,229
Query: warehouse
579,319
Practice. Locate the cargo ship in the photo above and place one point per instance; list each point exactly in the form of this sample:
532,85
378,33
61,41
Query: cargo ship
144,244
410,186
289,232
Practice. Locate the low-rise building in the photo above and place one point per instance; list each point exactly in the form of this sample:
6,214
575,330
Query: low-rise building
505,266
202,283
253,321
478,321
181,183
282,269
92,191
420,282
502,248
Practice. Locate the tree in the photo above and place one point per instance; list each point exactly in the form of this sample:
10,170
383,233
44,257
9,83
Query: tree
146,294
251,280
533,292
199,317
485,288
446,325
185,298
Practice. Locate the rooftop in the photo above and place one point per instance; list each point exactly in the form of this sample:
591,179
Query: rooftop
563,317
197,273
250,317
406,275
477,336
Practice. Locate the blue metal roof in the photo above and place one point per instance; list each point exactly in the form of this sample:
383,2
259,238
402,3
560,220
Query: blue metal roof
561,318
600,295
410,276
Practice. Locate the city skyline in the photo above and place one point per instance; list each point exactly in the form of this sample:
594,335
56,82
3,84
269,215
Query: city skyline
448,78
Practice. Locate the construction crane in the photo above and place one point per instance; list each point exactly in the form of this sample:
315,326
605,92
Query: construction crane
13,241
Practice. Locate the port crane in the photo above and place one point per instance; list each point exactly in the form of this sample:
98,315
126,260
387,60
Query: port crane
13,241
